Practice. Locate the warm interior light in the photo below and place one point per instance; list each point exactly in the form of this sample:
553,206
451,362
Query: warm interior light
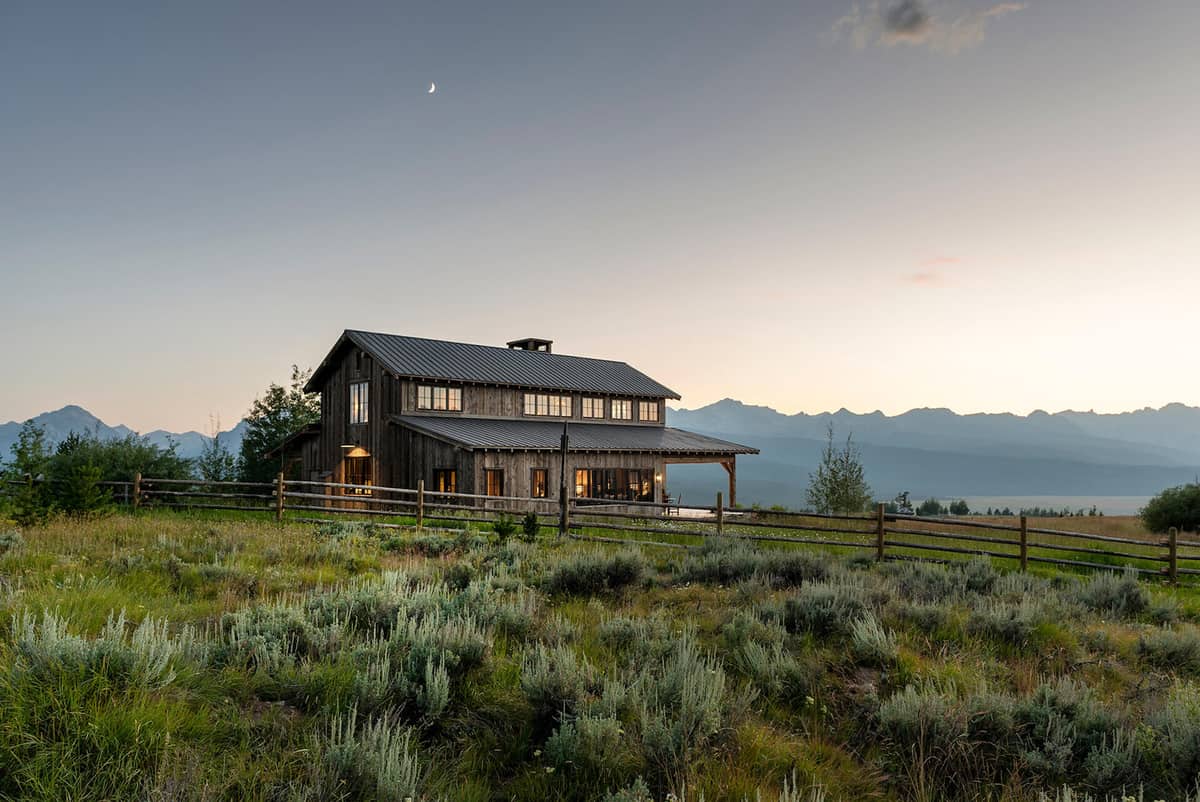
658,477
357,451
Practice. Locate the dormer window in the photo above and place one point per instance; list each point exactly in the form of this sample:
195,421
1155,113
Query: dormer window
593,407
439,399
622,409
648,410
358,401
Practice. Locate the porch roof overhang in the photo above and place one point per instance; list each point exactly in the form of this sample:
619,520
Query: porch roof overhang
310,430
506,434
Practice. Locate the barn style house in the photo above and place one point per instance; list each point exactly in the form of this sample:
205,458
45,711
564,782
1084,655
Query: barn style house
487,420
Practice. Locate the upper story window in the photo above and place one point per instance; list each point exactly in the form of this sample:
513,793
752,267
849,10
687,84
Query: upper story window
593,407
358,401
447,399
556,406
647,410
622,409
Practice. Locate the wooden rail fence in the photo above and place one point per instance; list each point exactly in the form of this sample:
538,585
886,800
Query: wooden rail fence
884,535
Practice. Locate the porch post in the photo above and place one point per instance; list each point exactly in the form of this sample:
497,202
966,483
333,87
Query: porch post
731,468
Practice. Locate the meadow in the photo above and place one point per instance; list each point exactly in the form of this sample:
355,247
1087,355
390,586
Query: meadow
189,656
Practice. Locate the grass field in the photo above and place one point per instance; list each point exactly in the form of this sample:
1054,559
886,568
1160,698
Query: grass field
183,656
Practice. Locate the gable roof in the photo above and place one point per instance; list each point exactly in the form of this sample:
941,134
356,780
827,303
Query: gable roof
492,434
420,358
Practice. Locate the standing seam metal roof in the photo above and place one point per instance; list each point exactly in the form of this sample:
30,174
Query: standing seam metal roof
421,358
527,435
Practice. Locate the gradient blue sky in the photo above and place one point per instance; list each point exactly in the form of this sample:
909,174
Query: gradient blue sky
997,208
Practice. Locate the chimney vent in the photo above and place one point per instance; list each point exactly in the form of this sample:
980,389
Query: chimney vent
531,344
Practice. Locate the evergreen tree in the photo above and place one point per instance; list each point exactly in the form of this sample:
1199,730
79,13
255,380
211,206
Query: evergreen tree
280,413
839,484
31,499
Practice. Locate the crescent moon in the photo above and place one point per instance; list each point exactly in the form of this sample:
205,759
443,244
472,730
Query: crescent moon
432,88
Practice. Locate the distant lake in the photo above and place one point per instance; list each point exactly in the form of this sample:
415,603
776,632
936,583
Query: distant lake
1109,505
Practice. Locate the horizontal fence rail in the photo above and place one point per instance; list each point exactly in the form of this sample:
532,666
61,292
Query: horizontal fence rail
887,536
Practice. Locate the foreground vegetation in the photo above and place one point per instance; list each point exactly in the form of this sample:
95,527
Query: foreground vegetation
166,657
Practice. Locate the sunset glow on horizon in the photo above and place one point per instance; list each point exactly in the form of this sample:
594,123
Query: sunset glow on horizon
983,206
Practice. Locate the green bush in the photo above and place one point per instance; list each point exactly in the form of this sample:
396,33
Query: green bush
1172,649
45,648
530,526
726,562
555,681
1011,622
1060,725
825,609
1115,594
10,539
596,572
1175,750
591,747
504,526
1177,507
684,708
375,761
871,644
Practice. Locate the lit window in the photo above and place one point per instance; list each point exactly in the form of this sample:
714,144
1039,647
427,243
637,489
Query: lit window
540,404
445,480
493,481
647,410
358,402
622,410
441,399
538,482
593,407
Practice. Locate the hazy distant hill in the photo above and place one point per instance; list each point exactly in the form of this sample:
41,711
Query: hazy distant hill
925,451
61,422
938,452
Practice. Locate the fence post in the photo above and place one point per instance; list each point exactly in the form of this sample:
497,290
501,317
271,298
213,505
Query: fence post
720,514
279,497
1024,543
137,490
1172,556
420,503
564,511
880,510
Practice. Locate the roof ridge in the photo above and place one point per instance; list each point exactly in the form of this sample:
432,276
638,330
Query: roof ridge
502,348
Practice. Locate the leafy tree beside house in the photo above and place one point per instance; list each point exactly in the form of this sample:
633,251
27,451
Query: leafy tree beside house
280,413
216,462
839,484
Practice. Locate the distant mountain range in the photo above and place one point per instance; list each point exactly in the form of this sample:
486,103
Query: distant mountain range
61,422
928,452
936,452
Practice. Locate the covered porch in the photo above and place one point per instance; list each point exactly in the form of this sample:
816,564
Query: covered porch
726,460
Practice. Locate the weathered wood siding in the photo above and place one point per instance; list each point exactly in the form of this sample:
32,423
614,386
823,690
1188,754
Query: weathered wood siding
400,457
336,429
483,401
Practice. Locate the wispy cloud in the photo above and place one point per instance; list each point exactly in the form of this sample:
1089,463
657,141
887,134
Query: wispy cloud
938,261
926,278
948,26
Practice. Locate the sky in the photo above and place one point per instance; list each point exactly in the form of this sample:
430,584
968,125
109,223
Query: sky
986,206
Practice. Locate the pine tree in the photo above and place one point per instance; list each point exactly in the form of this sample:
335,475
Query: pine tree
839,484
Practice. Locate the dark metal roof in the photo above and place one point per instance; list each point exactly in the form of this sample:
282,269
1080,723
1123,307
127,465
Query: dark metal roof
419,358
490,434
